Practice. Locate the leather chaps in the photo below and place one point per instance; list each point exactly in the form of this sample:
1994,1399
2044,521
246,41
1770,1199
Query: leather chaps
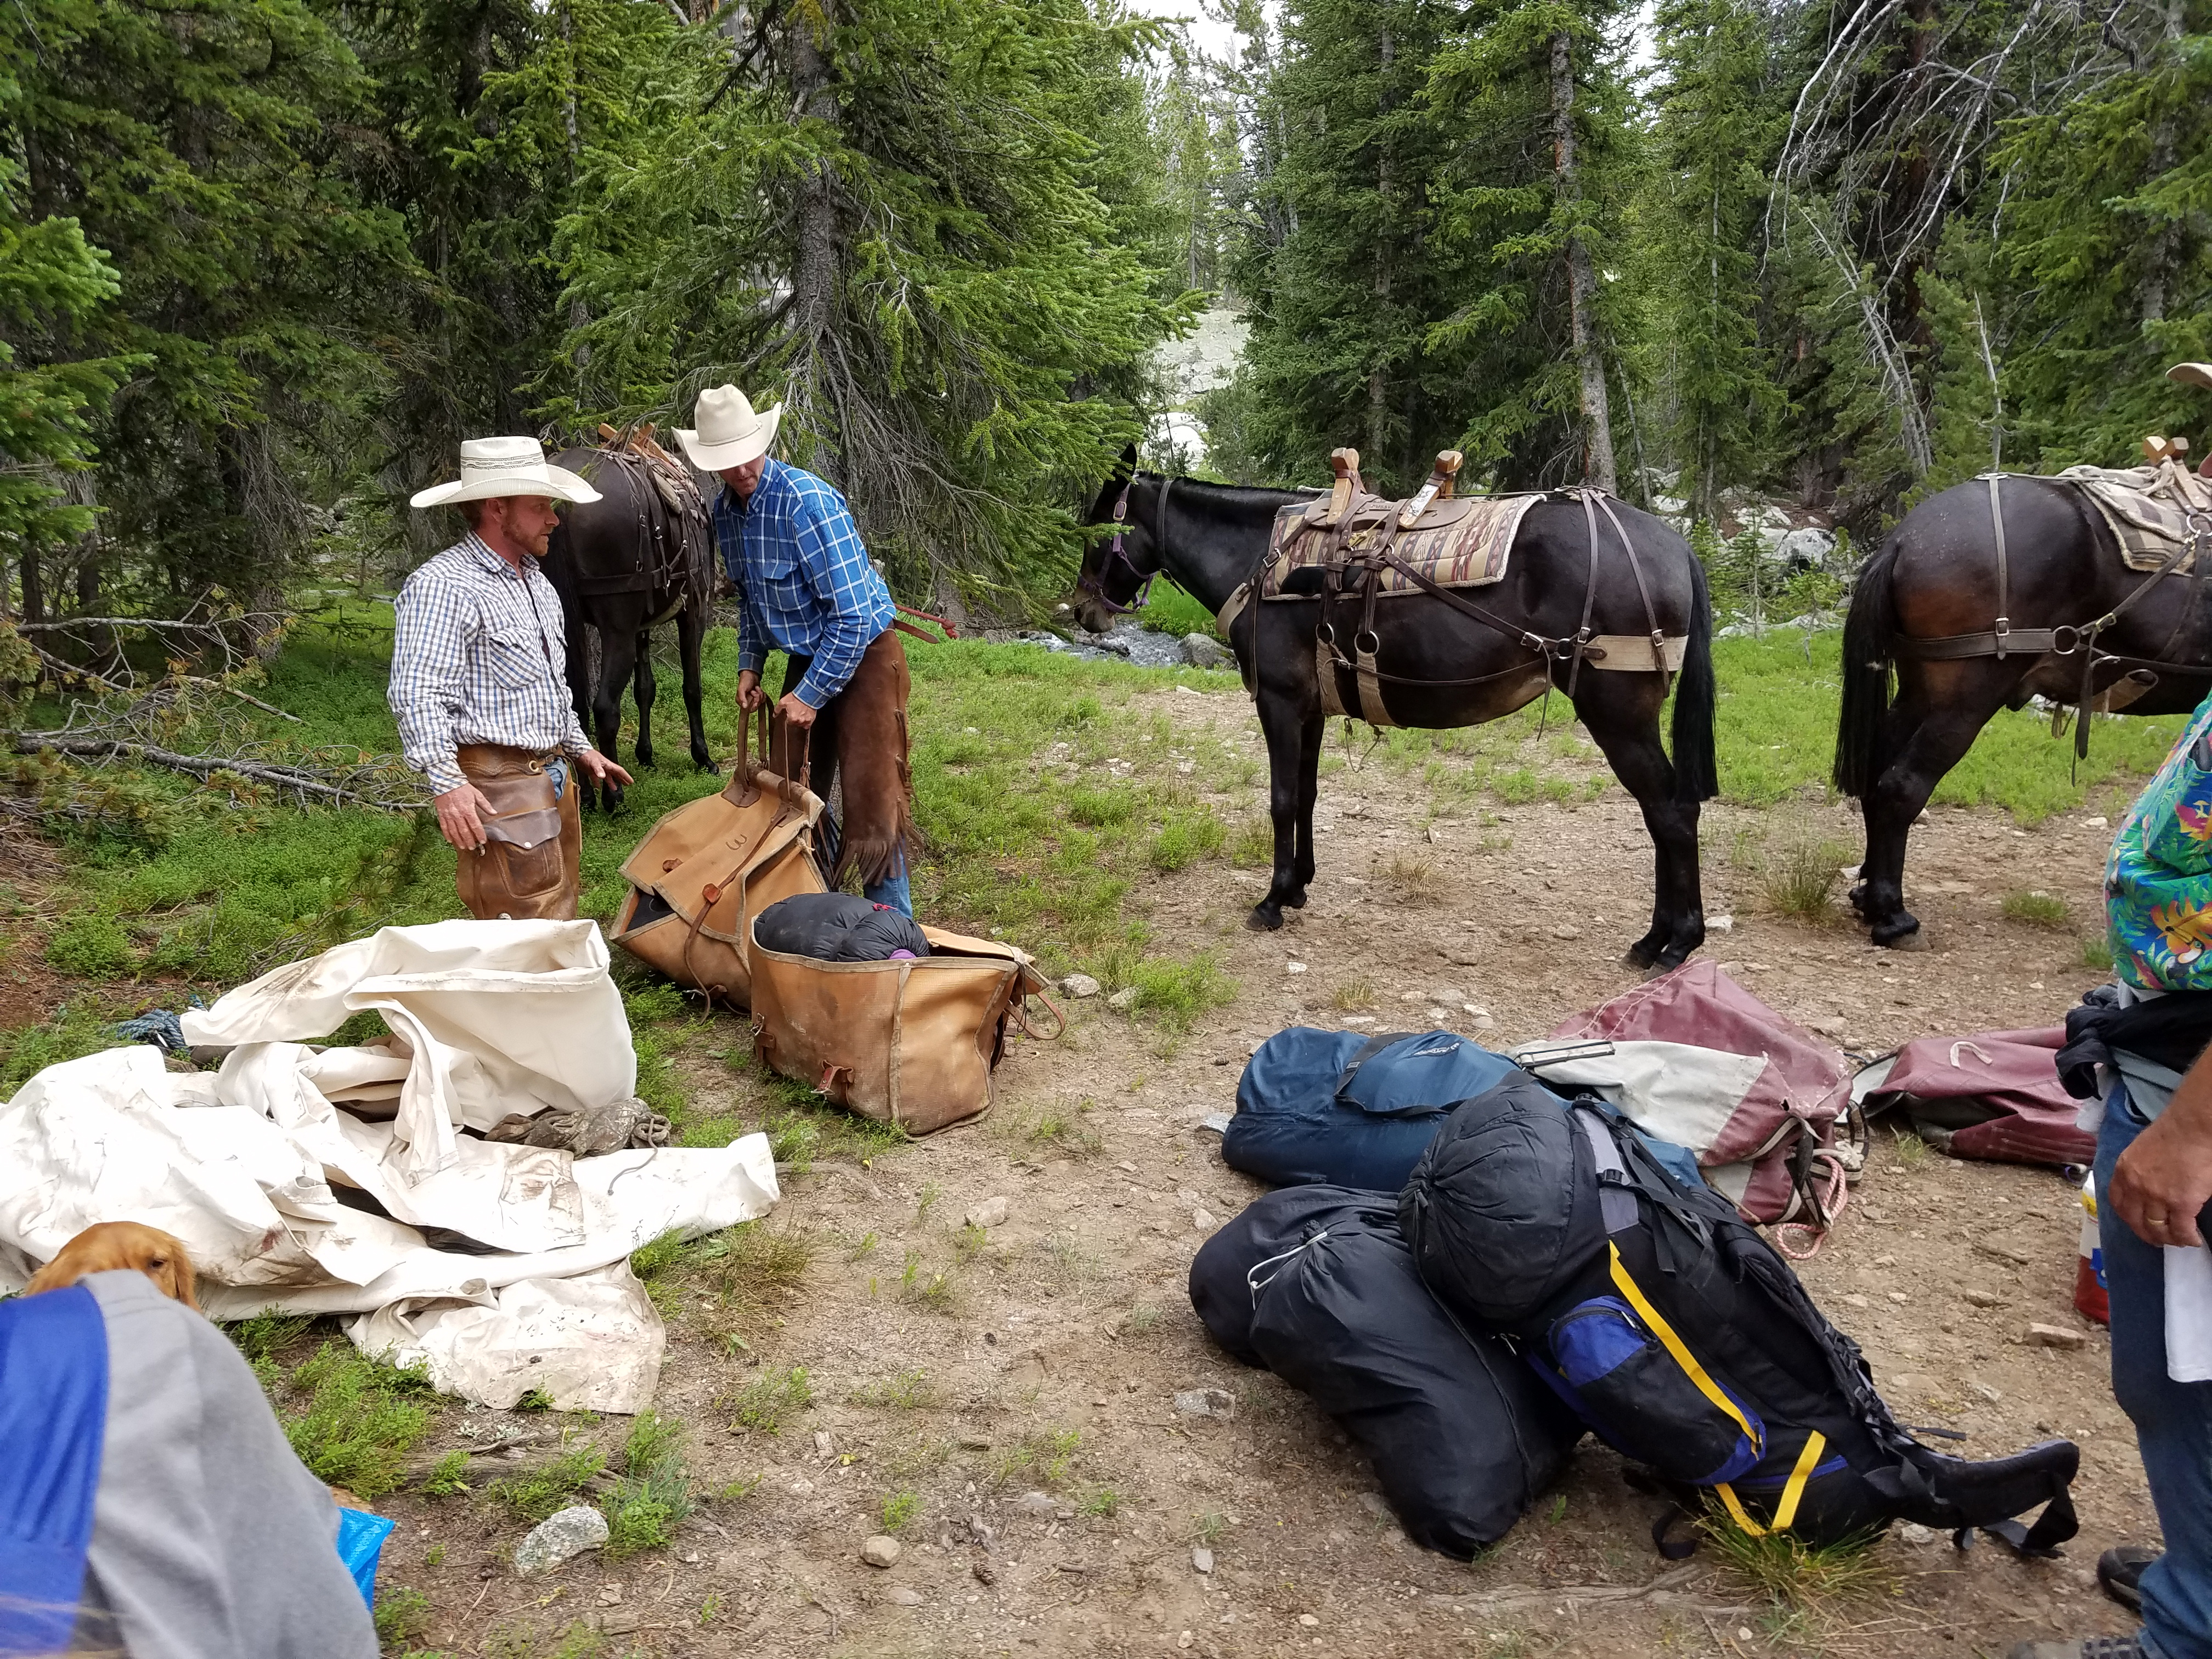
530,870
860,735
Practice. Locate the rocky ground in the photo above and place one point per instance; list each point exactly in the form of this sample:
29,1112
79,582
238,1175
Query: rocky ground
1010,1388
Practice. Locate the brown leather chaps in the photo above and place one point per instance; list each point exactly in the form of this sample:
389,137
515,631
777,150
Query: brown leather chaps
530,868
860,735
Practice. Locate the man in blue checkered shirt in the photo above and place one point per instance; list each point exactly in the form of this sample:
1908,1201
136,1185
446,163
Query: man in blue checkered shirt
806,587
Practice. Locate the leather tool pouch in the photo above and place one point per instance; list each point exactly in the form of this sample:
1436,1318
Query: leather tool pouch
517,871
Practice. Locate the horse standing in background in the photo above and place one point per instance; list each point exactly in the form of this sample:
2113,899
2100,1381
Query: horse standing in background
640,555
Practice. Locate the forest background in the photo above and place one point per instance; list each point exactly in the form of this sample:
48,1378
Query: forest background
263,263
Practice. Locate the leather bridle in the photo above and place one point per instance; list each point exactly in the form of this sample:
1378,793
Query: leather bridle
1116,553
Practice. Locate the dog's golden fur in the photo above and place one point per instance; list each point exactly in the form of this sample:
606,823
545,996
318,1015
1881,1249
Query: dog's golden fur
112,1244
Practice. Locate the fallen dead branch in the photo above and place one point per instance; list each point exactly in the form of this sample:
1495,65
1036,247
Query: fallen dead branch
297,778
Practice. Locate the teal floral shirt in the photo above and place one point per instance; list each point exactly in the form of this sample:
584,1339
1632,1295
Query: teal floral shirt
2158,882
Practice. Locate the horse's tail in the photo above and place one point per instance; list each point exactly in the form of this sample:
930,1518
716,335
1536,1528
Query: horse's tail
1869,637
1697,776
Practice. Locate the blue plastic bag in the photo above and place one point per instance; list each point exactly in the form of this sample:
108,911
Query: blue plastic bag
361,1546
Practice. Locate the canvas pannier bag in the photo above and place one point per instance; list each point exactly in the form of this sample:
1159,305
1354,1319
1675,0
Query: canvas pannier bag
912,1044
707,869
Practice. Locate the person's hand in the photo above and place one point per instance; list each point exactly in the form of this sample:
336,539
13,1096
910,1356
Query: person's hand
749,695
795,712
461,813
2164,1179
599,768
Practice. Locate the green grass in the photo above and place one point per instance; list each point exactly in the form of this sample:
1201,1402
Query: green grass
1171,610
771,1400
2036,908
901,1510
401,1614
654,1495
1793,1575
909,1390
538,1493
444,1480
2096,955
1045,1456
363,1418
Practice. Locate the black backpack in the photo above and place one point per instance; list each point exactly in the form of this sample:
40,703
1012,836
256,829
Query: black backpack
1682,1338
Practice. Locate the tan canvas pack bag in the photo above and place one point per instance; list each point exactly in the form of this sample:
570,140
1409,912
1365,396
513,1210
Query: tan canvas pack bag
705,870
912,1044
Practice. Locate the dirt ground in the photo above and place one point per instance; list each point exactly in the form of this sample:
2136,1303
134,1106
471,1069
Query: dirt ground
1074,1316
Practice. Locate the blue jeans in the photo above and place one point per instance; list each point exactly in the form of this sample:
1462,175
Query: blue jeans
2173,1420
891,889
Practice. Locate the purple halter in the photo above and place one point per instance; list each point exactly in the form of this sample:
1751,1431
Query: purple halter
1117,554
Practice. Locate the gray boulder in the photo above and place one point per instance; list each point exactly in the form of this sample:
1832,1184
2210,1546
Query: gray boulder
1204,651
559,1536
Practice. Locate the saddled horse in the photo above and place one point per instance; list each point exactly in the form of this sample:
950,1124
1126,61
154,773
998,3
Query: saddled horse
624,564
1437,666
2077,627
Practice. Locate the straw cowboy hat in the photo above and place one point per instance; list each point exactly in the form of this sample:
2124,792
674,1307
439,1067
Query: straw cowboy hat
729,434
506,466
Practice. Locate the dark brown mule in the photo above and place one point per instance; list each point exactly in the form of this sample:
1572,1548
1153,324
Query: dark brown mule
1210,538
624,564
1937,578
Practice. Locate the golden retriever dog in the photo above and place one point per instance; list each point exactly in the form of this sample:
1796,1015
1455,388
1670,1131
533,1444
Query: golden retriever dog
113,1244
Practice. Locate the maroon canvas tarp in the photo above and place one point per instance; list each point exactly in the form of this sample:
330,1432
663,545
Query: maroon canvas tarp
2004,1078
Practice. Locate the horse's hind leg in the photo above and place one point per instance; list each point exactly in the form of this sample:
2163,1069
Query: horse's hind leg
690,631
1940,709
645,690
617,648
1293,768
1626,729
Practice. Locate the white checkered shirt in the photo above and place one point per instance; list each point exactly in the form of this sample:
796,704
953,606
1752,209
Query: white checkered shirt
479,656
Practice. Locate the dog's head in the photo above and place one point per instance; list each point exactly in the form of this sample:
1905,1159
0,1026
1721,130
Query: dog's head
113,1244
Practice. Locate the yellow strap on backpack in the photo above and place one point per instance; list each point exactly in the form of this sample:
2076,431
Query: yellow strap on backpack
1674,1346
1809,1459
1793,1491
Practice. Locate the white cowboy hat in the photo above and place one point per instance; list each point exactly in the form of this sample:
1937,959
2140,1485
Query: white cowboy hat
729,432
492,467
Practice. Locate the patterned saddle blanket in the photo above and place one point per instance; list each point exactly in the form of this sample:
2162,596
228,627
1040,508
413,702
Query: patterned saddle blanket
1463,541
2145,507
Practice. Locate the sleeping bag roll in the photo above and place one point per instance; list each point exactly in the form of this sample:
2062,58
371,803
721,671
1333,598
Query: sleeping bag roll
838,927
1462,1436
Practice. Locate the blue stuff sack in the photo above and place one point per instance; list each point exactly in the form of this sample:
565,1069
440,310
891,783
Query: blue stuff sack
1344,1108
361,1547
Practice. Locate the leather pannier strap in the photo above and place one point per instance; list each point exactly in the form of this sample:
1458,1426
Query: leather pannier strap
525,829
1631,653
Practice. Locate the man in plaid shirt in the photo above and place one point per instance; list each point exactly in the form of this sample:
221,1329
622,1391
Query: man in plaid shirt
479,689
806,587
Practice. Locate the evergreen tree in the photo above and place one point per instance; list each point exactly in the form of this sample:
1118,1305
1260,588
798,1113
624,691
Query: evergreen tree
1342,306
54,288
1714,135
891,229
211,151
1541,180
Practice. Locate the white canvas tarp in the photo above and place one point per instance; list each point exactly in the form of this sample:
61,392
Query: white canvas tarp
488,1019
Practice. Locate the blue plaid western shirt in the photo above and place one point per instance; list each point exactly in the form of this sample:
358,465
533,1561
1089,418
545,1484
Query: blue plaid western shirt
804,585
479,655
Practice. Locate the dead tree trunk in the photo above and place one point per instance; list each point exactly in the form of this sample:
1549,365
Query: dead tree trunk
1582,280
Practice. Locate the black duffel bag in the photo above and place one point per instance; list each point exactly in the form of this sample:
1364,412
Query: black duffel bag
1315,1284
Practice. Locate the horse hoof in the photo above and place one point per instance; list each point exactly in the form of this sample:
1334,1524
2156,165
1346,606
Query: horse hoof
1909,937
704,761
1639,955
1296,902
1266,917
